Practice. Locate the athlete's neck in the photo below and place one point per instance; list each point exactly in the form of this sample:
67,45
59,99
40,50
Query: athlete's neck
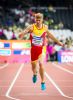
39,26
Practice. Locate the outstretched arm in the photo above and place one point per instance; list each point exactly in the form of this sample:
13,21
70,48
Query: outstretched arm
53,38
27,30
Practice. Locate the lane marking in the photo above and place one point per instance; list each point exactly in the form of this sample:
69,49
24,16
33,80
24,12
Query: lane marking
57,87
4,66
64,69
13,82
15,78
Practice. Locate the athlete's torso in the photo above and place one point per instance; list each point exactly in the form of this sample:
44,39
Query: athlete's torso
37,37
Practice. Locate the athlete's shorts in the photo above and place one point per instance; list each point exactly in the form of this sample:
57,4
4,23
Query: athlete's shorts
36,52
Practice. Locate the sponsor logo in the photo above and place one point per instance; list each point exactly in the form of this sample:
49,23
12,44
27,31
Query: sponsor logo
65,56
5,52
21,52
16,52
20,45
25,52
6,45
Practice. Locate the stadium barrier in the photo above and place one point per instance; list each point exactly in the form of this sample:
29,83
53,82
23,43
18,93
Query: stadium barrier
65,56
16,51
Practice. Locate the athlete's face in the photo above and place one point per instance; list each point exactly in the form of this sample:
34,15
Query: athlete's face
38,21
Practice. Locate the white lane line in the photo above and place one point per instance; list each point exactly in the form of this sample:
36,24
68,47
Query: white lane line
13,82
64,69
57,87
4,66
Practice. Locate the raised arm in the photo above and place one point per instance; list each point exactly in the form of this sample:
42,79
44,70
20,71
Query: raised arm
53,38
25,31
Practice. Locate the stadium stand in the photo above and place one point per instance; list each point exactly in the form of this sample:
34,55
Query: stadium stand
58,16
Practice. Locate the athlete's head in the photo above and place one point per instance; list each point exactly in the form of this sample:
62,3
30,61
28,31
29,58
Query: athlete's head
38,18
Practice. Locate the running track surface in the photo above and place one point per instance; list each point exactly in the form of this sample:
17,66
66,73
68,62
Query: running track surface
16,82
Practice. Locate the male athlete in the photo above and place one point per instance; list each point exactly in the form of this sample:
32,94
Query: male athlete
38,32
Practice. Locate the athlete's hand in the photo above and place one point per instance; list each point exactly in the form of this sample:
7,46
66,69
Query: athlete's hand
61,44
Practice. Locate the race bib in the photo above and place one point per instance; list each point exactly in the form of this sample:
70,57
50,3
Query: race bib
37,40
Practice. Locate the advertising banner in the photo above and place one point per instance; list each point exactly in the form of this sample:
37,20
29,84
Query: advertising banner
13,51
16,51
65,56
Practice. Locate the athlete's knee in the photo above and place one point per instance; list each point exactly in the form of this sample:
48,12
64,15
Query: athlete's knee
33,65
41,65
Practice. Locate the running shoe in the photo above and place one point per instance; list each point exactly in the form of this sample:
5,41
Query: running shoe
34,78
43,86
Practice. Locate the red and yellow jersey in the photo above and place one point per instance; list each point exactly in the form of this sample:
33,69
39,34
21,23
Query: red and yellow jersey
37,37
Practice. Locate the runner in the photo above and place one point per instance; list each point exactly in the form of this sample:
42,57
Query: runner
38,31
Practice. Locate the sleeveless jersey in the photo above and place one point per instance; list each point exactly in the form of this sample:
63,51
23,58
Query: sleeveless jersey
37,37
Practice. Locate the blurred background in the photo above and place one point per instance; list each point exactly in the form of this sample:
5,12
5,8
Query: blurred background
16,15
